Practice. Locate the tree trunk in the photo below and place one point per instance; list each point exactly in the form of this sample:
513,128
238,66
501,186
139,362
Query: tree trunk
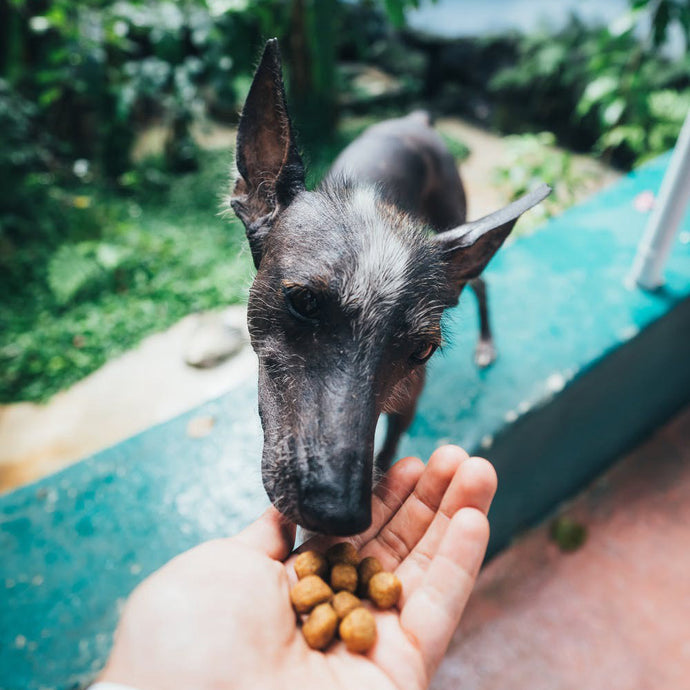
311,62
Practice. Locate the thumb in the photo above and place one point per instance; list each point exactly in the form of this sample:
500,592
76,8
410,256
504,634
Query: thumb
271,533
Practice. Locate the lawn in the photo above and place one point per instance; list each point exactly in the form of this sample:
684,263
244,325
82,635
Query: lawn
161,254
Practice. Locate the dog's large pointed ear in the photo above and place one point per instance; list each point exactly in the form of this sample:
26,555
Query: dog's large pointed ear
270,169
468,248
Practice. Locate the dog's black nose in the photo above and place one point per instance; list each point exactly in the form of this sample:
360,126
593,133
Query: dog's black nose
328,511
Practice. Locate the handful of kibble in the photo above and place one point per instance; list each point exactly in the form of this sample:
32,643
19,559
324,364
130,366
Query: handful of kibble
326,591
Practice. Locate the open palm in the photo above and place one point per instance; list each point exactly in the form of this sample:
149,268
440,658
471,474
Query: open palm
219,616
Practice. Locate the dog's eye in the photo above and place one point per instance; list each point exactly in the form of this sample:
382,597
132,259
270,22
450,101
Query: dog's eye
301,302
423,353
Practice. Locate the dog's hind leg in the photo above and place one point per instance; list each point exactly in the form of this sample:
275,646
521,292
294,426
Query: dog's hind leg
485,351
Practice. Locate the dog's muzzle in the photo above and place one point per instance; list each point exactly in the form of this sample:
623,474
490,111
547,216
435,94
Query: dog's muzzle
337,503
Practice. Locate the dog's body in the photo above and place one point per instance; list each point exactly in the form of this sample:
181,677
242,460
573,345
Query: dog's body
349,292
409,165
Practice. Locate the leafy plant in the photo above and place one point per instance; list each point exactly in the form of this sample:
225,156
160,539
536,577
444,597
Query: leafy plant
664,14
459,149
633,105
75,267
602,88
158,259
534,158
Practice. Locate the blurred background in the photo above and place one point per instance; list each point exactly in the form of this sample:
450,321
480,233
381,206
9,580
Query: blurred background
117,122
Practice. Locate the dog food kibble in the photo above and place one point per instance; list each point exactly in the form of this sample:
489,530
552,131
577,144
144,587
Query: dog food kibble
336,607
309,592
311,563
344,576
344,602
343,552
358,630
368,567
319,628
385,590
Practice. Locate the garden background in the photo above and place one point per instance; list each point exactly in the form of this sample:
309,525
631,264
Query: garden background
116,118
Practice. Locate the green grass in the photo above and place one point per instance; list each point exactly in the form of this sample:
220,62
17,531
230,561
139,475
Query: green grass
174,255
139,263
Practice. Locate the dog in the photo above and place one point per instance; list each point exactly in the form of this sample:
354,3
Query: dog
351,282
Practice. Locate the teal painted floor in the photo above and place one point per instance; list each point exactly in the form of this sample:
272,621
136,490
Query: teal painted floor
558,306
75,544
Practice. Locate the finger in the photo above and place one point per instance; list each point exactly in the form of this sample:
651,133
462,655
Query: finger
271,533
473,486
400,534
433,611
389,494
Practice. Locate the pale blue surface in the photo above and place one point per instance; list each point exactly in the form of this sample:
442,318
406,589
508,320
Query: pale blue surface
462,18
453,18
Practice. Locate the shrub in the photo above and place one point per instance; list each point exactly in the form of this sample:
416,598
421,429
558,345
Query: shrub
601,88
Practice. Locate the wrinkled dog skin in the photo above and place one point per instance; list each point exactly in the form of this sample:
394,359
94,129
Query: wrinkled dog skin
352,280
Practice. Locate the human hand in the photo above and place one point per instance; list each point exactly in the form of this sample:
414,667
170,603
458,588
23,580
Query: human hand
219,615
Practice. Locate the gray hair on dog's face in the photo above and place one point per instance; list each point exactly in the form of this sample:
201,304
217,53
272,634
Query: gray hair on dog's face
376,275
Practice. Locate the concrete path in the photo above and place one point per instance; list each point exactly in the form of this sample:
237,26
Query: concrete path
612,615
146,386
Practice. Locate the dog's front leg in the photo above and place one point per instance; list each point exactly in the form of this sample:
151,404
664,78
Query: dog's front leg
399,421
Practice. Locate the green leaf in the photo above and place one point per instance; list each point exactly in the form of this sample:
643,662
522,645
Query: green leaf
596,92
669,105
634,136
110,256
395,9
69,271
613,112
623,24
551,58
49,96
660,22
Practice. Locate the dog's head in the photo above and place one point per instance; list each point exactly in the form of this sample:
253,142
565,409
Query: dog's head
344,311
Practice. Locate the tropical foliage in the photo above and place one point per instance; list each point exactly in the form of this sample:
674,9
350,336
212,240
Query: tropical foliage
614,90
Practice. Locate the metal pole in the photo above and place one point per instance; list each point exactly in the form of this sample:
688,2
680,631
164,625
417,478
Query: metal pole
668,211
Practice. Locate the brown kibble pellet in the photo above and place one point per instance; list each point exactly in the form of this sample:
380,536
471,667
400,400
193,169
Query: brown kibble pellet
311,563
385,590
366,570
343,552
309,592
344,602
319,628
358,630
344,576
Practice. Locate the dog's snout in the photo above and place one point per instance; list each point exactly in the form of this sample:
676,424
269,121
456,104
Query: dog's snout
325,515
338,507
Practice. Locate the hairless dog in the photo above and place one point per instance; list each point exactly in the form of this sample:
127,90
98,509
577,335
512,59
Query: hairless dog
352,280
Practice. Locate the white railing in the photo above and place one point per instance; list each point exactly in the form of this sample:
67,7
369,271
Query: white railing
669,209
